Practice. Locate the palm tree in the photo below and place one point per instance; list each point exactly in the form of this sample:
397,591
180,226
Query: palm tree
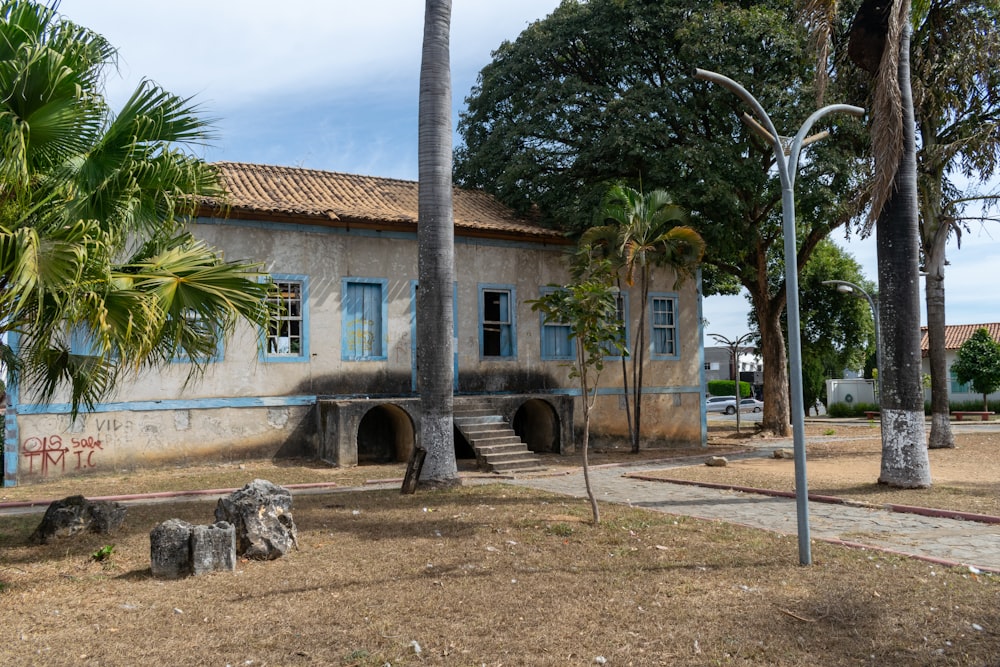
435,238
644,232
880,44
92,213
956,83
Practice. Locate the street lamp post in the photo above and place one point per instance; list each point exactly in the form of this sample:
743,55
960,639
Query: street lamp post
846,287
786,157
734,353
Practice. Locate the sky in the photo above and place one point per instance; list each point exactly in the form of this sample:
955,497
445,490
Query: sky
333,85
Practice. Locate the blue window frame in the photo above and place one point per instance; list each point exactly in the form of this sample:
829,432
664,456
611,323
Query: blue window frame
82,343
497,322
288,333
364,335
217,356
556,340
663,324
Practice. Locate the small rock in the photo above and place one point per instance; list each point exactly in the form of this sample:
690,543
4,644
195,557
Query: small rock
784,454
76,514
717,462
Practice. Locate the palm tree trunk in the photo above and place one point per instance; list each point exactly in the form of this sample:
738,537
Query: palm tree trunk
436,247
628,408
639,358
904,451
941,436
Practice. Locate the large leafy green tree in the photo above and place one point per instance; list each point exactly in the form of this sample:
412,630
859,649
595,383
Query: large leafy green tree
956,98
838,328
576,103
641,232
978,363
435,238
92,213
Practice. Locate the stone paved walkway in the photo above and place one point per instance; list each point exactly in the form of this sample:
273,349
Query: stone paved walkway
951,541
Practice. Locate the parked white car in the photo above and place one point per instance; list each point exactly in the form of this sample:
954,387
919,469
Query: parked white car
725,404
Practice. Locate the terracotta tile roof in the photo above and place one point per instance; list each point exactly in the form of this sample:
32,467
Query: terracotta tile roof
331,198
956,334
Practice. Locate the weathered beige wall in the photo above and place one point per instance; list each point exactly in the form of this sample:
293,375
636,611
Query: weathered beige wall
224,415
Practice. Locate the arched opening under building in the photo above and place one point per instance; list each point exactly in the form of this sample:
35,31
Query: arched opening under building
385,435
537,424
463,450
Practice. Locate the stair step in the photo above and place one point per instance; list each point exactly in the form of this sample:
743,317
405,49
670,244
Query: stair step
520,465
486,433
498,448
495,440
500,458
512,448
479,419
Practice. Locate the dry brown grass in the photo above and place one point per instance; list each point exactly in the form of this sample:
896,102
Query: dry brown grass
846,462
482,575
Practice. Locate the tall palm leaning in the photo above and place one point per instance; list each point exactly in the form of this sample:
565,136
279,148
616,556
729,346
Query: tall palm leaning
644,231
92,213
880,44
435,240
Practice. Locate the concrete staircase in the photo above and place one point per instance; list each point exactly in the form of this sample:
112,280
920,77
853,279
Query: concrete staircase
498,449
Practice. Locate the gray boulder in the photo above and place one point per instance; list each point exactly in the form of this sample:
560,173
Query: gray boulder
76,514
261,513
170,549
213,548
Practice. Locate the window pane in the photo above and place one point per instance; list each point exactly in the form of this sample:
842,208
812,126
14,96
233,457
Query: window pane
497,332
363,320
285,333
664,327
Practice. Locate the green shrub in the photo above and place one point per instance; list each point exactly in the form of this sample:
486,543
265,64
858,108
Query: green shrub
850,409
728,388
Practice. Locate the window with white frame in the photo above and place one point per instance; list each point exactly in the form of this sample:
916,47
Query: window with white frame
496,322
286,335
364,316
663,322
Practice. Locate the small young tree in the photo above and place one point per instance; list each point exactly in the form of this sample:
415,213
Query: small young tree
588,307
978,363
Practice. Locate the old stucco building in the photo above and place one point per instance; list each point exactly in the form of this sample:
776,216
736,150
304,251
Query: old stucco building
335,379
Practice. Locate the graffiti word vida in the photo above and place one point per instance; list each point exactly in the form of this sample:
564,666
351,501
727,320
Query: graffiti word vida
48,454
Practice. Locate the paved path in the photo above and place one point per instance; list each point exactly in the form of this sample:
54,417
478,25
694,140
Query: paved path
951,541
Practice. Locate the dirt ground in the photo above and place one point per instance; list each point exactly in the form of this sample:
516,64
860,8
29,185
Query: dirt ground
844,460
498,576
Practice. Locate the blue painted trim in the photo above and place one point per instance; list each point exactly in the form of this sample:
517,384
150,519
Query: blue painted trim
541,334
175,404
483,287
375,234
345,335
263,355
11,444
653,355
